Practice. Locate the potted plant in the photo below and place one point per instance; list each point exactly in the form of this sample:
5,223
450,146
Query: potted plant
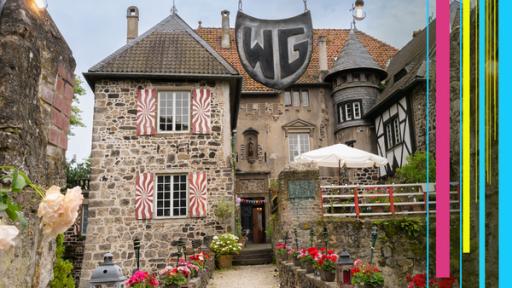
142,279
199,260
282,251
173,277
225,246
294,255
326,264
192,269
307,258
365,275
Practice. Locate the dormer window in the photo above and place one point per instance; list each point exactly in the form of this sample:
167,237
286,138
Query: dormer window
349,110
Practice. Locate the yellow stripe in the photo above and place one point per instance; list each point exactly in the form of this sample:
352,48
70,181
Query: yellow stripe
466,124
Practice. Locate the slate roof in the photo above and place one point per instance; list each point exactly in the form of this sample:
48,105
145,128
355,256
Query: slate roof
410,61
354,55
169,48
336,40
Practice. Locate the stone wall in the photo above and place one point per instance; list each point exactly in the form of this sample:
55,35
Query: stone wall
118,155
291,276
36,90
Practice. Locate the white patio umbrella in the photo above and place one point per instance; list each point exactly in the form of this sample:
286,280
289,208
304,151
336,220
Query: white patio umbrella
342,156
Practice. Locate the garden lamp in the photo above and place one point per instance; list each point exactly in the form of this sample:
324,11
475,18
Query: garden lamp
296,239
343,267
374,239
325,237
136,247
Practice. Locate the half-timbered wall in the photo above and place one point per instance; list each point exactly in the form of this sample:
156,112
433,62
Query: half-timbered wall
397,154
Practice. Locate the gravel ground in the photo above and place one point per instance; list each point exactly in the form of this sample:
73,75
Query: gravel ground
260,276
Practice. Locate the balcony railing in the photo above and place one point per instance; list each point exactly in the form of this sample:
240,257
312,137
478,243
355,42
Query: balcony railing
383,200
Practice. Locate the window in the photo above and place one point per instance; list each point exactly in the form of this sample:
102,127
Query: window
355,77
296,98
171,196
85,219
297,144
392,132
350,110
174,111
287,98
304,97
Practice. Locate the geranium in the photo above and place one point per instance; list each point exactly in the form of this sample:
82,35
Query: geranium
58,212
7,235
366,274
173,276
326,261
199,260
308,255
281,248
293,253
142,279
417,281
188,268
225,244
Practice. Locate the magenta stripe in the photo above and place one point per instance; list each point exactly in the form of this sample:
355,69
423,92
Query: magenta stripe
443,138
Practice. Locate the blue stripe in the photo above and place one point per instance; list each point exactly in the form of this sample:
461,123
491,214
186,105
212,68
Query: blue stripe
481,148
428,141
460,142
504,142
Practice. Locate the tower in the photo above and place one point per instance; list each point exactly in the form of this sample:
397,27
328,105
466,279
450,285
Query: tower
355,79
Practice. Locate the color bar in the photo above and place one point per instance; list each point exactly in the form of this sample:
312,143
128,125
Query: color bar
443,138
466,121
482,141
504,142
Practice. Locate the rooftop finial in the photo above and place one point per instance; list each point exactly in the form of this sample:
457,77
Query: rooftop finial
174,10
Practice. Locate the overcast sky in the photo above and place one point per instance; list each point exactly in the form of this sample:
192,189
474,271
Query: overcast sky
96,28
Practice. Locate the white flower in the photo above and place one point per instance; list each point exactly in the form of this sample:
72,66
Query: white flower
59,212
7,235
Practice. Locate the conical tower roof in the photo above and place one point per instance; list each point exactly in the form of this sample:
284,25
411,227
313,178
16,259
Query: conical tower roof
354,55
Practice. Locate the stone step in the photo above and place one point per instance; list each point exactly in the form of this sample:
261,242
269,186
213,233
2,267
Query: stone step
254,257
245,262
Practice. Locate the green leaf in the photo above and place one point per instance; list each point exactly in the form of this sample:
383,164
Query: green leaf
21,219
18,182
12,211
3,207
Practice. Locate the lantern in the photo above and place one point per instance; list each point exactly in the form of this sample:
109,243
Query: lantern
136,248
107,274
343,267
358,12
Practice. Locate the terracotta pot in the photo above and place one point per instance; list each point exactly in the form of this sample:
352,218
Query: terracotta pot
309,267
225,261
327,276
296,262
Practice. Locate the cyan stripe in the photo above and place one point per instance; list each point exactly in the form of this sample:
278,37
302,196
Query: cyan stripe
504,142
482,139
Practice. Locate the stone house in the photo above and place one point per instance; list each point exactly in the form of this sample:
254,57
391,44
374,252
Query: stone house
180,126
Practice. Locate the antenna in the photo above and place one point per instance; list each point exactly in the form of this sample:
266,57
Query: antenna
174,10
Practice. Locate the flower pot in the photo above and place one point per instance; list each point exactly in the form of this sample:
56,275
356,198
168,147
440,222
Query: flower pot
225,261
296,262
327,276
309,267
283,257
365,286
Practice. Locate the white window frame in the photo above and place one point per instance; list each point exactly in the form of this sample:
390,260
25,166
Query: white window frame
287,98
85,219
174,93
348,106
155,198
358,105
392,131
295,98
304,97
341,113
396,130
299,146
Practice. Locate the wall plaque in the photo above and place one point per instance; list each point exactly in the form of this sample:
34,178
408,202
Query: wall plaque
301,189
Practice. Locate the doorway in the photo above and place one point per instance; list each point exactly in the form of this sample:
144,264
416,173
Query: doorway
253,219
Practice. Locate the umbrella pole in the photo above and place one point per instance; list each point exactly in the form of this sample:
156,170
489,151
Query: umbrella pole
339,172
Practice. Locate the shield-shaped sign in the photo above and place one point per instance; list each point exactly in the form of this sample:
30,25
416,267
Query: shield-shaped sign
275,53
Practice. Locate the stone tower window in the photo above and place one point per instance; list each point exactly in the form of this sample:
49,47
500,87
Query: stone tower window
251,145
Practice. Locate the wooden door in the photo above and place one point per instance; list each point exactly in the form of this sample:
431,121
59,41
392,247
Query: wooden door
257,225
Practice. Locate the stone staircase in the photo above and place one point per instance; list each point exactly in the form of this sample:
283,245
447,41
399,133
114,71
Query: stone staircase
254,254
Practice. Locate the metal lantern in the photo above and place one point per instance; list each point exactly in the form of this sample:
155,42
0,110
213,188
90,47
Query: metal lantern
107,274
343,267
136,247
357,11
374,239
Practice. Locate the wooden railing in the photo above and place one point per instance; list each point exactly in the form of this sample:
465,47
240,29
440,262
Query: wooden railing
383,200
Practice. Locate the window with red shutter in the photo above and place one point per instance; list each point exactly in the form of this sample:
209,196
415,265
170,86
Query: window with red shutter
144,196
146,112
198,194
201,111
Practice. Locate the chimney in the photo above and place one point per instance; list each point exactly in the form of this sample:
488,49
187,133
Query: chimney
322,54
132,16
226,37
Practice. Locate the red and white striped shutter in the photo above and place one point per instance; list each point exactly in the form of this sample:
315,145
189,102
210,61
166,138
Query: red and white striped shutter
198,194
146,112
144,196
201,111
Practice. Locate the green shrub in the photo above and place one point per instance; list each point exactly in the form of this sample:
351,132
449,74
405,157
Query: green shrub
415,171
224,210
62,269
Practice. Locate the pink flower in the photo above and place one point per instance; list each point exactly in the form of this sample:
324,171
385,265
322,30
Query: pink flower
7,235
58,212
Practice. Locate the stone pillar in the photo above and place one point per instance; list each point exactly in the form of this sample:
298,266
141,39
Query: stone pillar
36,91
299,202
